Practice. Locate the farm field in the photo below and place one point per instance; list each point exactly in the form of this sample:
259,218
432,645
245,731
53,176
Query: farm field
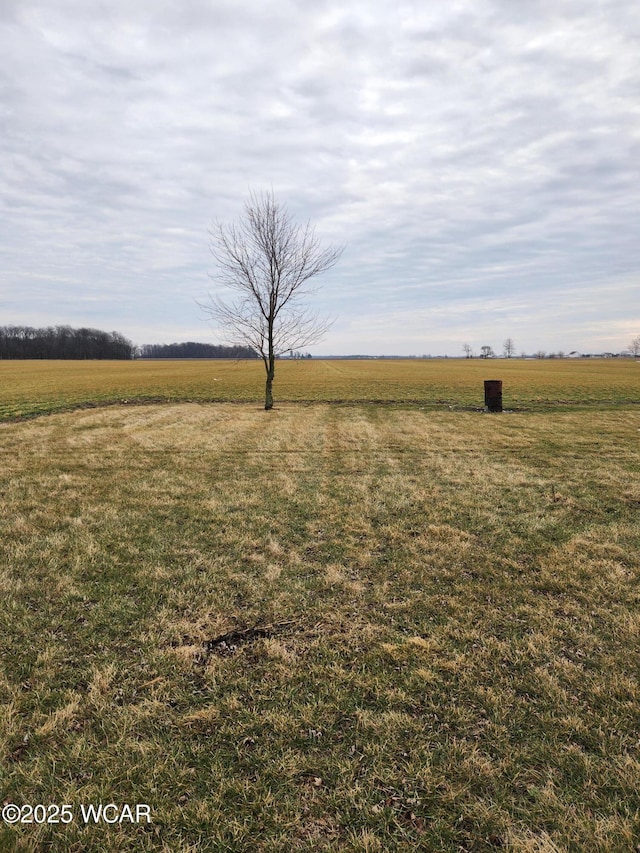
29,388
324,628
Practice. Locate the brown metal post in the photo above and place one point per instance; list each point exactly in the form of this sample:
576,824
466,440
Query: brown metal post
493,395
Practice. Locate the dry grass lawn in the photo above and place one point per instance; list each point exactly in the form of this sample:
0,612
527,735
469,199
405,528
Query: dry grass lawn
330,628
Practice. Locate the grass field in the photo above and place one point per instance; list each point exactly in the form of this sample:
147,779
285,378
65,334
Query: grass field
324,628
36,387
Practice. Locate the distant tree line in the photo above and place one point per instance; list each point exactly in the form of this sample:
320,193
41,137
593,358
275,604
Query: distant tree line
509,349
62,342
190,349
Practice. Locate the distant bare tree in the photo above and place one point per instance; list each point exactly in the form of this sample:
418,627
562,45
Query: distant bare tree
268,261
468,350
541,354
509,348
634,347
486,352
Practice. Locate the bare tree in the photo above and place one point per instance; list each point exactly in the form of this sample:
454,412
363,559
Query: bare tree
509,348
267,261
634,347
468,350
486,352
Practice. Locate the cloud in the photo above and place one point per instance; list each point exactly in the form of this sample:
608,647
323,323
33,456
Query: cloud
474,154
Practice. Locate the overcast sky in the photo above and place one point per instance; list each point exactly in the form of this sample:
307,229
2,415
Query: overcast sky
479,158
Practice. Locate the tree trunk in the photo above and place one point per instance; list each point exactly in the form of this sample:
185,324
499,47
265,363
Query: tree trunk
270,364
268,393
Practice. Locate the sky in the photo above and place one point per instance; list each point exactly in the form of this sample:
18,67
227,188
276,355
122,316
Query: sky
478,159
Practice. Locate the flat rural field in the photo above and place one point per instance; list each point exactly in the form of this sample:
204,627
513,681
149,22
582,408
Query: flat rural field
324,628
38,387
